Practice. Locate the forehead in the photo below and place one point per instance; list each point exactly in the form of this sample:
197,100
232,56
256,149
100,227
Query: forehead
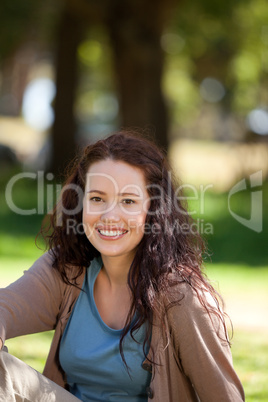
115,174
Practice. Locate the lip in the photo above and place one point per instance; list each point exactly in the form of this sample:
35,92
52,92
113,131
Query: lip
121,232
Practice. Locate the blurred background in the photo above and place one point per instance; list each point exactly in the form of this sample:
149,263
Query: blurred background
193,76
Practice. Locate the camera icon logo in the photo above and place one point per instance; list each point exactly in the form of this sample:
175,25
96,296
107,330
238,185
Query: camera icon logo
255,222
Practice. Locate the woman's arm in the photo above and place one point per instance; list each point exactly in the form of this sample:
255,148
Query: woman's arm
202,351
32,303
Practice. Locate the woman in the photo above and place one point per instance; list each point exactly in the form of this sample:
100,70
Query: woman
134,317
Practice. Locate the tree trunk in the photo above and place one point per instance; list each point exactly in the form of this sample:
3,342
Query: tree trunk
64,128
15,72
135,31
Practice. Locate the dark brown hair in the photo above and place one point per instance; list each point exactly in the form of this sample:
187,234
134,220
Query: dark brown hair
165,256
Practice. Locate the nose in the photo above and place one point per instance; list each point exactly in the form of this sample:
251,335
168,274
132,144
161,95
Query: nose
112,214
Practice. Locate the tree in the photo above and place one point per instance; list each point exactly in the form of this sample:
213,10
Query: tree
69,36
13,46
135,30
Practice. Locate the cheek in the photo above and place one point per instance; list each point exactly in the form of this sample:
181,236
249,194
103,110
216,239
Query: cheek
85,217
88,224
137,223
142,218
89,215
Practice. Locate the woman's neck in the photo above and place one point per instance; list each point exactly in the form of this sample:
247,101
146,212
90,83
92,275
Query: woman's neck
116,269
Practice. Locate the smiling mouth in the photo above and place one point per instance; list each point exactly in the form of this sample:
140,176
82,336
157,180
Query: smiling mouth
112,233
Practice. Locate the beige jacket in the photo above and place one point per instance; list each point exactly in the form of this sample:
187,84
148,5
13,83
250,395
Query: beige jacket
196,365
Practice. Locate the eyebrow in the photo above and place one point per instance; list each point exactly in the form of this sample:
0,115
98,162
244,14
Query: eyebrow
122,194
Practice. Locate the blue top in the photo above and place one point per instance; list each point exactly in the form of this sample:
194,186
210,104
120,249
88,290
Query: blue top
90,356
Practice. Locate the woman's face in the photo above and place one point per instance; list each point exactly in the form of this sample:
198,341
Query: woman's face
115,206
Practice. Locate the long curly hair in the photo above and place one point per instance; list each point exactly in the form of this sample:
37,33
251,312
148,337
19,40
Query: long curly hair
169,253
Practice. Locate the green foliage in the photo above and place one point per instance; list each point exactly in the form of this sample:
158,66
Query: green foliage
15,18
24,21
248,70
224,40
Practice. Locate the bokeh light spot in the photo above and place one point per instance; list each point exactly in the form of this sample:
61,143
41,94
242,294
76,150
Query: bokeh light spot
90,52
212,90
258,121
172,43
105,107
36,105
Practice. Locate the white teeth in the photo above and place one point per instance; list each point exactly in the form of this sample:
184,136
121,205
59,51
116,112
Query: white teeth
111,233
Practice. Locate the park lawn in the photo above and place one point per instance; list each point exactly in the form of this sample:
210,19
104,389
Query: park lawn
236,282
250,356
244,290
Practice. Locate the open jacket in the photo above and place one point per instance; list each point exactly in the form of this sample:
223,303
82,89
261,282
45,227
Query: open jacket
195,364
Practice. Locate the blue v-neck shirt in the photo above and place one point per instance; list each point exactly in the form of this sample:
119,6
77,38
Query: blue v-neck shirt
90,356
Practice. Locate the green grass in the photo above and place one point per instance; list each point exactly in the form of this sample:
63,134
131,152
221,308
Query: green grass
250,356
32,349
12,268
244,290
232,278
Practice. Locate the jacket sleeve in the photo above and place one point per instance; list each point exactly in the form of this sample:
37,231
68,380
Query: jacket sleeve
202,352
32,303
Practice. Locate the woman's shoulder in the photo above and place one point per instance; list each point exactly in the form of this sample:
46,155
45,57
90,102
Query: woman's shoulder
189,307
43,265
43,268
185,297
41,273
180,294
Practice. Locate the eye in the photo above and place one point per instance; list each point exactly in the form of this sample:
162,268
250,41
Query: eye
128,201
96,199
